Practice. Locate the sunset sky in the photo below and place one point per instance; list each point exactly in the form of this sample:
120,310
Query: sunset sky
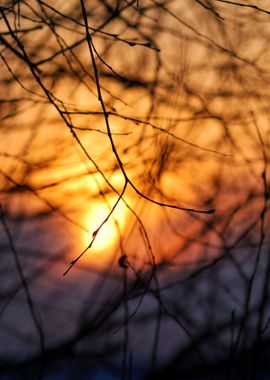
134,189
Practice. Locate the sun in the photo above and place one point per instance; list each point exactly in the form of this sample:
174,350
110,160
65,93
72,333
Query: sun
108,235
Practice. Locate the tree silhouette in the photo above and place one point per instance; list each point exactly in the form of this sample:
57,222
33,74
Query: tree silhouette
134,161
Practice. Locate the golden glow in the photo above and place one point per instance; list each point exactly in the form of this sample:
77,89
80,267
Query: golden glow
108,234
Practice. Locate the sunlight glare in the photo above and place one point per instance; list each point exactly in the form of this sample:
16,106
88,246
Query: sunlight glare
108,234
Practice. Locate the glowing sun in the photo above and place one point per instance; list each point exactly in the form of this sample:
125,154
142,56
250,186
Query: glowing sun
109,233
